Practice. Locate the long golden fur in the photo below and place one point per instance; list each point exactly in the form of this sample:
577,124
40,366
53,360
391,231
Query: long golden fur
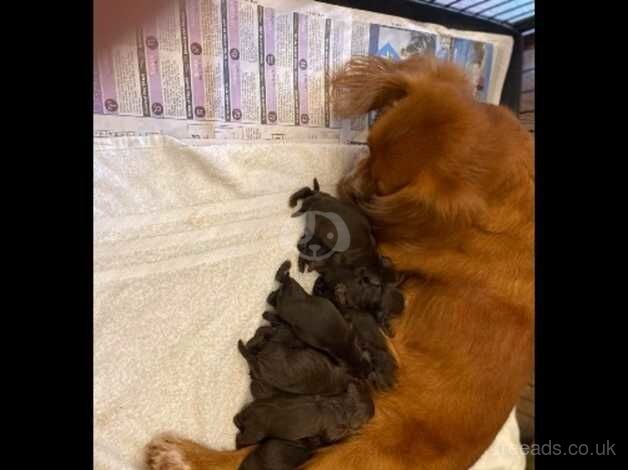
449,188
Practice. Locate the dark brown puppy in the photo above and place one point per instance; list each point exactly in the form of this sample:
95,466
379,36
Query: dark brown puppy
317,322
299,370
331,226
293,418
337,225
368,288
277,331
372,340
276,454
339,245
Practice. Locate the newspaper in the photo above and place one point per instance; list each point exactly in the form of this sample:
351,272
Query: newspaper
241,70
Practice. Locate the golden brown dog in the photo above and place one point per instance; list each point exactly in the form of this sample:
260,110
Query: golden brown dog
449,187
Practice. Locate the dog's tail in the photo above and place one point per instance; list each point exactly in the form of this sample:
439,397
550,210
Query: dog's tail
171,452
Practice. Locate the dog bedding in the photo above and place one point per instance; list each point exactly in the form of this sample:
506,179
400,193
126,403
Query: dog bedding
187,238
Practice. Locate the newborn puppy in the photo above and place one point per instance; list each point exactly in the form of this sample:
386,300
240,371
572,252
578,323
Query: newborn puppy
345,255
373,341
277,332
317,322
276,365
370,337
293,418
276,454
368,288
335,224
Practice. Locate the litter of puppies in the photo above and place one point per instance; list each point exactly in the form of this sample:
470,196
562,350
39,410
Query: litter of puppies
315,365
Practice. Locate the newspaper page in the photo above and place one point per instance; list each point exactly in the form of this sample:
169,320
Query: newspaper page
234,70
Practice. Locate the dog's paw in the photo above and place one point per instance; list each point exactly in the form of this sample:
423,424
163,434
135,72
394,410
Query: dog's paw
341,294
165,452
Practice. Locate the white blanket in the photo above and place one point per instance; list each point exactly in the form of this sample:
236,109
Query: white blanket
186,241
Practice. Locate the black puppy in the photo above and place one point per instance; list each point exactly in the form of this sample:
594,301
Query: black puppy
313,418
282,362
276,454
369,335
317,322
373,341
366,288
277,331
335,224
345,255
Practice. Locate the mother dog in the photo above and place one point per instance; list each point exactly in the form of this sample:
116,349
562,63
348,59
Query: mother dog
449,188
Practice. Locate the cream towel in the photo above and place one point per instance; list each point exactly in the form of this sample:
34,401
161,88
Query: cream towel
186,241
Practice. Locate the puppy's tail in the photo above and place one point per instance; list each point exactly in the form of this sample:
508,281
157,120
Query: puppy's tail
168,451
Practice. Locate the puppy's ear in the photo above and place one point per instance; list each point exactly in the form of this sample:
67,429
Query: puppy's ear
367,83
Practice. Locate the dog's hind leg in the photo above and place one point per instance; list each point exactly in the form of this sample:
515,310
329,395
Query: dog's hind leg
169,452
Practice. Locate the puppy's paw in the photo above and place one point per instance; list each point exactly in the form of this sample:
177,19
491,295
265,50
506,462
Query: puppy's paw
341,294
302,264
166,452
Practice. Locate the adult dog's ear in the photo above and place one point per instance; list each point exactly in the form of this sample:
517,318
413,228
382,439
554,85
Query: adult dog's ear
366,84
